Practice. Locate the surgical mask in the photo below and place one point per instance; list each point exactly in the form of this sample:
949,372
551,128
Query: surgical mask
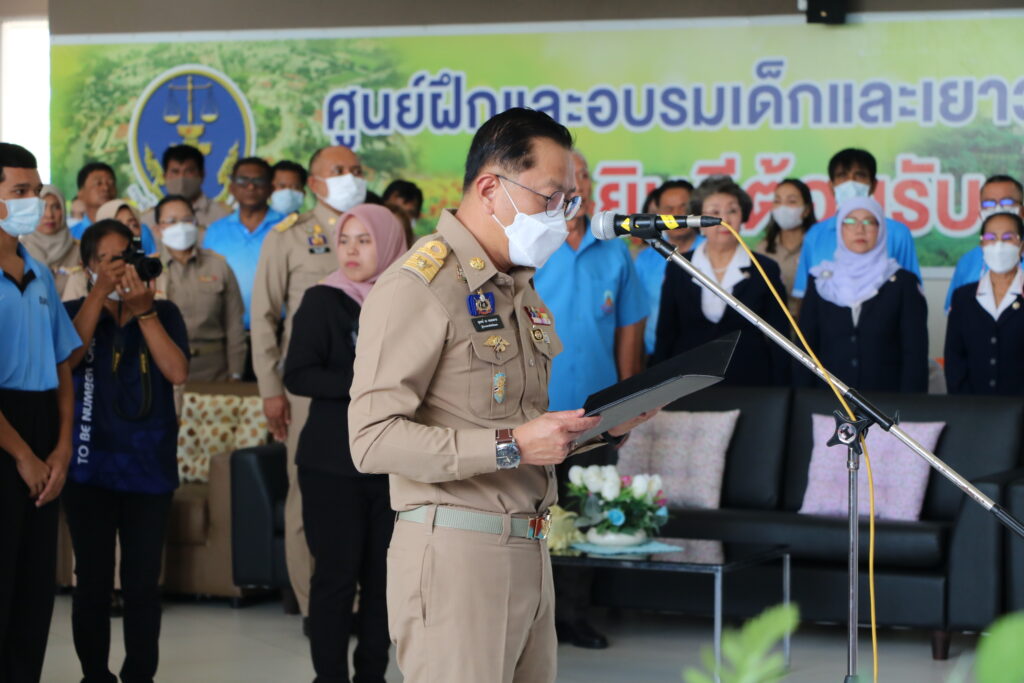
187,186
533,238
788,217
1001,257
1012,210
22,215
344,191
851,189
286,200
181,236
113,296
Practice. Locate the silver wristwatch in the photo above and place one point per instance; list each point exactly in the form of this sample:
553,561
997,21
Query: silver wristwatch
506,450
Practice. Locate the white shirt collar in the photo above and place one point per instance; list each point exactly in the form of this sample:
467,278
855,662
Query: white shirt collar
986,297
711,306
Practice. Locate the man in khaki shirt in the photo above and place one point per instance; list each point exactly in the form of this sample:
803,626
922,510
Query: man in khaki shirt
449,397
203,286
184,170
295,255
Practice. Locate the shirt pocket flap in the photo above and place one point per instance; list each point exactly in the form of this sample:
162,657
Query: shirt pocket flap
494,348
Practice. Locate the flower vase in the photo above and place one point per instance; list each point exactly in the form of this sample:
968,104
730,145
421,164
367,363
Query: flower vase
614,538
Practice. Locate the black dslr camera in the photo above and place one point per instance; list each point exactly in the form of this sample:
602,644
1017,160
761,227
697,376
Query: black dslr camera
147,267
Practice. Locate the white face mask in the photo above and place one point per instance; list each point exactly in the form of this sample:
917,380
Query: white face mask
22,215
788,217
533,238
851,189
181,236
286,200
1001,257
1012,210
344,191
113,296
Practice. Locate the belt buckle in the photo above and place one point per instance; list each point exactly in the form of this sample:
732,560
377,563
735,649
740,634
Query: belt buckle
540,527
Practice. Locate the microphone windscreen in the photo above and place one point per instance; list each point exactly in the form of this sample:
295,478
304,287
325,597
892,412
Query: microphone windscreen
602,225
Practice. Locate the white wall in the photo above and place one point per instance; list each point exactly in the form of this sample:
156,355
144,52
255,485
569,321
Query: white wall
25,87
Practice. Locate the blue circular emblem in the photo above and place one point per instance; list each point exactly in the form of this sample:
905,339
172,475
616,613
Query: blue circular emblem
195,105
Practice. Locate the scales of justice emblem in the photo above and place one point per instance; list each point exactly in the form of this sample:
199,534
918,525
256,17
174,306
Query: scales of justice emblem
190,104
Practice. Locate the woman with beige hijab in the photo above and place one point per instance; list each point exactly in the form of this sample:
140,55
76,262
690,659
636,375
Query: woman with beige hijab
52,243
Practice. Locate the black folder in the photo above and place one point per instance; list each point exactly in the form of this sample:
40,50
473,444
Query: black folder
657,386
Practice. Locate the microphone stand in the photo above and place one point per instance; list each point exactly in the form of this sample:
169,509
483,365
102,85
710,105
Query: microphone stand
847,433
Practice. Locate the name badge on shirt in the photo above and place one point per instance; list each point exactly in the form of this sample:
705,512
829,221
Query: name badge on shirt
487,323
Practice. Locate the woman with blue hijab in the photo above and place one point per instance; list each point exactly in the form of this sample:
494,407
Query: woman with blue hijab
863,314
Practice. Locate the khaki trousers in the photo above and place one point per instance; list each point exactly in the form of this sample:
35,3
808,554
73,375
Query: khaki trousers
296,552
469,607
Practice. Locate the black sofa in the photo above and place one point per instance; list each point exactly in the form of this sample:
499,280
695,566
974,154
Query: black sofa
259,485
944,573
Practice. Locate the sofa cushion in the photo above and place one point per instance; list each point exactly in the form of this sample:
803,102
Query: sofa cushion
982,436
189,518
753,463
687,450
899,475
897,544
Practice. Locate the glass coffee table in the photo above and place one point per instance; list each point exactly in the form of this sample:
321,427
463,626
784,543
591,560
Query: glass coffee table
694,557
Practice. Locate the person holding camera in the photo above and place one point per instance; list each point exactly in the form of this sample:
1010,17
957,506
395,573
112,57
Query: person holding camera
124,468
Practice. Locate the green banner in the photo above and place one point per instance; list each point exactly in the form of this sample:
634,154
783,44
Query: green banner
937,98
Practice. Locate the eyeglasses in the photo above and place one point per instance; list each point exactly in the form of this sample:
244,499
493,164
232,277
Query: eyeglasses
868,223
1007,237
255,182
556,203
1004,203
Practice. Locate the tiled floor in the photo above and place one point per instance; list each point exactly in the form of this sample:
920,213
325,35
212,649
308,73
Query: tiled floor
209,642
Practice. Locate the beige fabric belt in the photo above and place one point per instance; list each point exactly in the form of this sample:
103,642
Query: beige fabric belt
534,528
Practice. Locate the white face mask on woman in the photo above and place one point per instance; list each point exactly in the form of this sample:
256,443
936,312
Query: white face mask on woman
181,235
533,238
788,217
1001,257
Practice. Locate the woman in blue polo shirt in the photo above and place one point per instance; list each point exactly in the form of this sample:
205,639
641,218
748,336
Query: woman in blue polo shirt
35,422
125,470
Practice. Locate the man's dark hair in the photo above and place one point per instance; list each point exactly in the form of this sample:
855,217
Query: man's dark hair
988,181
721,184
771,233
181,154
15,156
406,191
92,167
285,165
1018,221
677,184
846,159
167,200
253,161
507,140
652,198
96,232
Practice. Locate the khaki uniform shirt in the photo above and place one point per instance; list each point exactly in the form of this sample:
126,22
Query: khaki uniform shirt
65,267
432,382
296,254
76,286
206,292
205,209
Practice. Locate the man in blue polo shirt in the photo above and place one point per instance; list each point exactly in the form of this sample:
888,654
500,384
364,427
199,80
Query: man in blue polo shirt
239,236
999,194
599,307
852,173
36,411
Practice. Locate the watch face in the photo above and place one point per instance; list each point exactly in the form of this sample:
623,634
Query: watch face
507,455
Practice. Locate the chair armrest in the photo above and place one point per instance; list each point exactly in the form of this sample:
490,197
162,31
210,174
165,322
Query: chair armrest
259,479
1015,546
976,558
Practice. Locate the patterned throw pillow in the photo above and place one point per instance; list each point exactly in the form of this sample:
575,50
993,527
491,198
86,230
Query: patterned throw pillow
687,450
900,476
252,424
207,427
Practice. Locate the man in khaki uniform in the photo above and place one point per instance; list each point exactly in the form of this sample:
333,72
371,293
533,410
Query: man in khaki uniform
449,397
184,169
295,255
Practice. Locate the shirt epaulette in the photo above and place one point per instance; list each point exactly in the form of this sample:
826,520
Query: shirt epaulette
288,222
427,261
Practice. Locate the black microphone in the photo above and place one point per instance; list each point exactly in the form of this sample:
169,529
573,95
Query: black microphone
606,225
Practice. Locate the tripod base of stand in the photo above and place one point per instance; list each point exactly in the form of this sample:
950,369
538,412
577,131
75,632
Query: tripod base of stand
851,679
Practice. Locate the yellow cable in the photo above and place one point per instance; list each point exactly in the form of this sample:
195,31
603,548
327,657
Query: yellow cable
864,446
